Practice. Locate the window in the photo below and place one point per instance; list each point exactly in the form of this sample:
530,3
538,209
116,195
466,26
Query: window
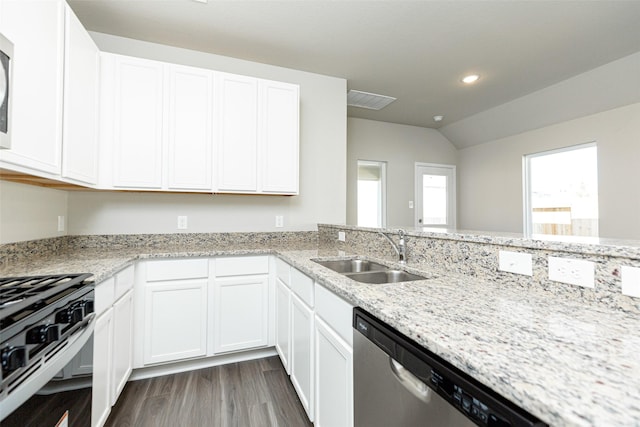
561,192
371,207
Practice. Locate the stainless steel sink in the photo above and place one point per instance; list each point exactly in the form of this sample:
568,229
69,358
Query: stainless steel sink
365,271
345,266
385,276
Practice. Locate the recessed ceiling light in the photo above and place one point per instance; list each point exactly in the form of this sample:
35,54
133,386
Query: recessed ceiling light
438,118
471,78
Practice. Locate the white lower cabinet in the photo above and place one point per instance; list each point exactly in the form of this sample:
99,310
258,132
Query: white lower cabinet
175,324
102,351
241,311
302,372
334,359
122,344
283,322
112,342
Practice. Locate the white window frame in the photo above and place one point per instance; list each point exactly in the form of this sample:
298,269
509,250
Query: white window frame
383,187
526,181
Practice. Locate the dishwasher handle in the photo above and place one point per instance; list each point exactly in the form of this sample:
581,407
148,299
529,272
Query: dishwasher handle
410,381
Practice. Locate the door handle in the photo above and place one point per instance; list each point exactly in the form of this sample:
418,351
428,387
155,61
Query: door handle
410,381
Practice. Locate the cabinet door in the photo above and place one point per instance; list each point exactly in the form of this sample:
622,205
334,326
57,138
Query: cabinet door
102,351
190,121
122,350
137,135
36,29
334,378
279,137
241,313
175,320
237,134
283,321
302,353
80,129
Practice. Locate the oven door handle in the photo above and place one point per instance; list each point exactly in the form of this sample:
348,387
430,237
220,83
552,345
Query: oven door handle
410,381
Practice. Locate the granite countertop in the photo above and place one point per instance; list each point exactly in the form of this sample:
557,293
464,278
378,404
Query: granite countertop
567,364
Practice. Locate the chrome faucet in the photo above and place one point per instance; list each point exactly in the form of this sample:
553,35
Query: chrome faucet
400,248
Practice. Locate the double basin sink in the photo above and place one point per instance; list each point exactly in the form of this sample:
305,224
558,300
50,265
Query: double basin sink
366,271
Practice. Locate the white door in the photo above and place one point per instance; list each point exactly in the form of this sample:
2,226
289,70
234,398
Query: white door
175,320
435,192
279,137
102,351
237,153
283,322
81,88
137,157
334,378
241,313
190,132
36,29
302,371
122,350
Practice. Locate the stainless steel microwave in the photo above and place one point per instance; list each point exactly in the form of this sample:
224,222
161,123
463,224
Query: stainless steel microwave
6,58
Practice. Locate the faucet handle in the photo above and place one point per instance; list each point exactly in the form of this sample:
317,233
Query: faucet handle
401,233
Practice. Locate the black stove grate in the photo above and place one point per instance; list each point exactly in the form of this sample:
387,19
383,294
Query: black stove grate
20,293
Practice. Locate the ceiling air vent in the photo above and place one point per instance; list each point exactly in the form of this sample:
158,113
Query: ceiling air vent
372,101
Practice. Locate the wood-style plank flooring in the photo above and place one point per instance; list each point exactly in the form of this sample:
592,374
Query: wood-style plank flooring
254,393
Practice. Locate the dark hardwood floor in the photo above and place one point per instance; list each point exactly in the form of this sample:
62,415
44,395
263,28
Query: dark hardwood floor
253,393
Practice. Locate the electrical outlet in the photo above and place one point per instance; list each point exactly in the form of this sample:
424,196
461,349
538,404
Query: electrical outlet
279,221
631,281
182,223
572,271
341,236
60,222
515,262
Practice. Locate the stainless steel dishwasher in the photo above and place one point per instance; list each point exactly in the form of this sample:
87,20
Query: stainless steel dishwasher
398,383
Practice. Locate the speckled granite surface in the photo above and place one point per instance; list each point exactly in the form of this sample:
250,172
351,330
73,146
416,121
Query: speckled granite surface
567,361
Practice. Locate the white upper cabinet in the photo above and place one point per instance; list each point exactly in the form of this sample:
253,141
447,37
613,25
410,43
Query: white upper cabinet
136,119
279,137
36,29
176,128
238,133
80,118
190,106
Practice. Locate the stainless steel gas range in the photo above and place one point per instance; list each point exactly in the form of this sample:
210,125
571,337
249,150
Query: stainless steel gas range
46,328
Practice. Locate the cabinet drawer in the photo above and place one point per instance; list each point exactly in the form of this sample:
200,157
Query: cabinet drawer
124,281
104,295
242,266
302,286
335,311
177,269
282,271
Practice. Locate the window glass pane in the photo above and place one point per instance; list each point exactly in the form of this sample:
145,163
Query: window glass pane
564,192
434,191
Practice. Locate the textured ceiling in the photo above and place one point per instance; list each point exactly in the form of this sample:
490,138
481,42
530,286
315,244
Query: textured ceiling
416,51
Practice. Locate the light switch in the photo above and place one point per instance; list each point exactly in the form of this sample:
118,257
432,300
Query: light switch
515,262
631,281
341,236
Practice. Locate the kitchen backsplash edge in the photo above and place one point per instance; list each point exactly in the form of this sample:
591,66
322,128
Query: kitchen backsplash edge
479,258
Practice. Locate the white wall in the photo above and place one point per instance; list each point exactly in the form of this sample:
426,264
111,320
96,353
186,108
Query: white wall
401,146
322,148
28,212
490,174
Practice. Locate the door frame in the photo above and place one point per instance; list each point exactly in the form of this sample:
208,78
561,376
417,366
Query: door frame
452,214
